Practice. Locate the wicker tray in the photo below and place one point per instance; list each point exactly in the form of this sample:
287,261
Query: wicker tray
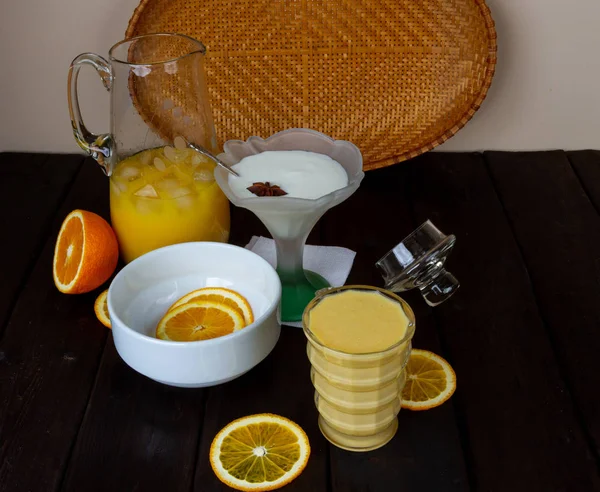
395,77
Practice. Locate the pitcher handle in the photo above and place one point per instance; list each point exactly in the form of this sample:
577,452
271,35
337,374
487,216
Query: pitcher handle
100,147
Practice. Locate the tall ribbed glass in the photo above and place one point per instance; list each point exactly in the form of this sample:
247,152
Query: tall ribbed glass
358,396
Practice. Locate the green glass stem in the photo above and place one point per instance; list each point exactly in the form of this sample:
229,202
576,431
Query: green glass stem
298,285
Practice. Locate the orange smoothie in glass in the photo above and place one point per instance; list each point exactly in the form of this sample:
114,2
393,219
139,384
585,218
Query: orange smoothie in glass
359,340
165,196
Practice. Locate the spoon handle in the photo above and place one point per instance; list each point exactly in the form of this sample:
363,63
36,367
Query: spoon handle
206,153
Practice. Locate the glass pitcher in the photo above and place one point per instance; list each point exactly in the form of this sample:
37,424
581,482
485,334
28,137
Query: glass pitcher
161,191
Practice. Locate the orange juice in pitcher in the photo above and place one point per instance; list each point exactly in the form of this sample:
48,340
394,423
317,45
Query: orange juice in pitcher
164,196
162,192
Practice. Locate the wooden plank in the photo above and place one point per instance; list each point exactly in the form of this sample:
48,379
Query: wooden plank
558,230
137,434
520,422
426,453
32,186
49,356
586,164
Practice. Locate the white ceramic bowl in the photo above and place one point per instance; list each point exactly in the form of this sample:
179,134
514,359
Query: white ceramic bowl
144,289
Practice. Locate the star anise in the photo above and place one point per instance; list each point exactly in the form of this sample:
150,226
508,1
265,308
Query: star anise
266,189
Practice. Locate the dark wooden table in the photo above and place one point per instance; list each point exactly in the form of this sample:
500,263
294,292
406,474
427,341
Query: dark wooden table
523,334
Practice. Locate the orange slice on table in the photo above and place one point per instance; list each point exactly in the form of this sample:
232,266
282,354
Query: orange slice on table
259,452
101,309
85,254
222,295
199,320
430,381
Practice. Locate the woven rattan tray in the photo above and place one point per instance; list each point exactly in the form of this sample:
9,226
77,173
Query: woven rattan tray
395,77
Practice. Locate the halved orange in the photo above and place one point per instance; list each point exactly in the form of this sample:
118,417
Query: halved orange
199,320
259,452
220,294
85,254
101,309
430,381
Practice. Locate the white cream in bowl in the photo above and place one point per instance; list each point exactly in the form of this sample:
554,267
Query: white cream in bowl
299,173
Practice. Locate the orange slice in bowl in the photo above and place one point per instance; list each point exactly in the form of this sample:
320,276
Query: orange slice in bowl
199,319
220,294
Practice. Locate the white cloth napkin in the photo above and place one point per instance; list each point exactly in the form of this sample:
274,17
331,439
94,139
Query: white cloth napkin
332,262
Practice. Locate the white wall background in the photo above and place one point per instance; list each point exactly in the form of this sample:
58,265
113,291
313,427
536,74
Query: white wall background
545,94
